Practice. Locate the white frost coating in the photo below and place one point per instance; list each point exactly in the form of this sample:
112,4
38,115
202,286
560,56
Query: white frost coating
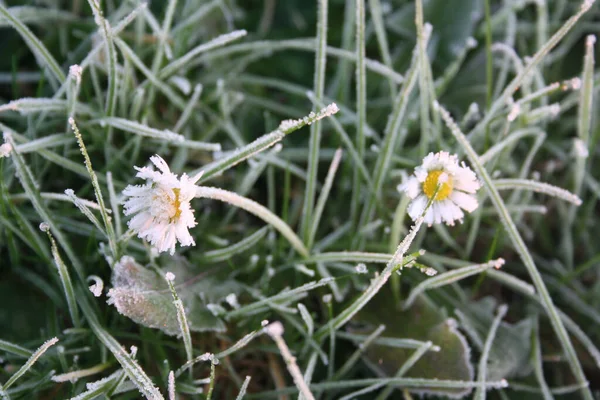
471,42
5,150
361,268
308,320
575,83
264,322
590,40
170,276
98,285
290,124
304,269
274,329
182,84
75,72
147,131
581,150
232,300
429,271
514,112
327,298
216,309
171,385
586,5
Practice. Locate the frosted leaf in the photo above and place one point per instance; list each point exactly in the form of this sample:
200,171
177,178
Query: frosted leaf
144,296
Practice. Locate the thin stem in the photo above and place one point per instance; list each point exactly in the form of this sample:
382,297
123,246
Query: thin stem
254,208
315,129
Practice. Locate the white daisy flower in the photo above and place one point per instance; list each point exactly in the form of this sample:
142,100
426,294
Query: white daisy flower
162,206
457,183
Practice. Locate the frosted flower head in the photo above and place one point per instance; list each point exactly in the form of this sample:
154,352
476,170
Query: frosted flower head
162,206
457,183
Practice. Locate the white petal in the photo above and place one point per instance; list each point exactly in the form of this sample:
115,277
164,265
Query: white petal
421,173
466,180
416,207
464,201
140,222
436,211
183,235
450,212
136,190
411,187
160,163
429,161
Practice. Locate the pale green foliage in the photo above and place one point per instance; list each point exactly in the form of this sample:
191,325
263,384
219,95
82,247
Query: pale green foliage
307,277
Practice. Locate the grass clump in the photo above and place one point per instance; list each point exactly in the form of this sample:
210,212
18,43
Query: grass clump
313,231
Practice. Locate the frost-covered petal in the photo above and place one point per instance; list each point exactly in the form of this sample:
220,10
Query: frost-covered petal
136,190
160,163
450,212
464,201
416,207
466,180
412,187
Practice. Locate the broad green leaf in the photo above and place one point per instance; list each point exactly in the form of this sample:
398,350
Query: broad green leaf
510,353
144,296
423,321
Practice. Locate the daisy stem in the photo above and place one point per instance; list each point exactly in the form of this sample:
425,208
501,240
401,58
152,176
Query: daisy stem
258,210
394,264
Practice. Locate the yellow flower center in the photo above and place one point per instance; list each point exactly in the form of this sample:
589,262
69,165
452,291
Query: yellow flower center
177,205
431,183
